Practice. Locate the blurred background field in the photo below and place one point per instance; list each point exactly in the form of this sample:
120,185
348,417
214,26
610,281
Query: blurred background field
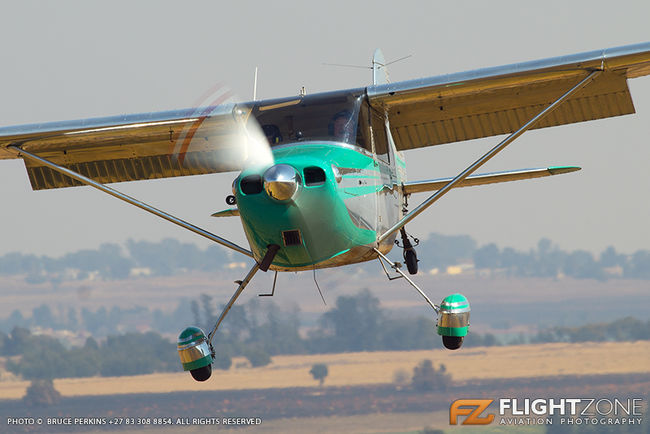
377,368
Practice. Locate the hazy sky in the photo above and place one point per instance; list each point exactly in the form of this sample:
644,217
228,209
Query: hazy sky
78,59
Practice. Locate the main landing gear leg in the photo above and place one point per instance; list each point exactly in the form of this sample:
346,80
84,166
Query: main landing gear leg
410,256
453,313
195,350
395,267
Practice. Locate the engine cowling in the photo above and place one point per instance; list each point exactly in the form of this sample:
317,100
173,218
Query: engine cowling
453,320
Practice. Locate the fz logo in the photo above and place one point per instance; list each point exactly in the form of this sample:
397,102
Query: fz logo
472,408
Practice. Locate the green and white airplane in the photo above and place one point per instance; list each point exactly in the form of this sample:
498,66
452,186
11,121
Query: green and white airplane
322,178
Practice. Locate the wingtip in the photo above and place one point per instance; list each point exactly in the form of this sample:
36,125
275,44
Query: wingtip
226,213
559,170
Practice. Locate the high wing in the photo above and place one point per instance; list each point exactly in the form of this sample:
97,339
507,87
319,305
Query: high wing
498,100
422,112
487,178
131,147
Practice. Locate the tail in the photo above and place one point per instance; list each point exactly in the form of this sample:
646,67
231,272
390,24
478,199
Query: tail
379,70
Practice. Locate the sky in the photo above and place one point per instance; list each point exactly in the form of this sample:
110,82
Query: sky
77,59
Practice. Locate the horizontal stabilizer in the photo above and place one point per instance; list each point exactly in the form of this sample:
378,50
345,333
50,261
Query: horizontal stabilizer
232,212
488,178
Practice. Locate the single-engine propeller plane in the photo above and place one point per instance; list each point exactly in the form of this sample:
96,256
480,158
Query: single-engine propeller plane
322,178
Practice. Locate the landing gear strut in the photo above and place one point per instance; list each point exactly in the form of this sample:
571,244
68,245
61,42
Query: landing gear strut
453,313
410,256
194,348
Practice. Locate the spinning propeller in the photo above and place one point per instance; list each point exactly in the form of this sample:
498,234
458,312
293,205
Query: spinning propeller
224,134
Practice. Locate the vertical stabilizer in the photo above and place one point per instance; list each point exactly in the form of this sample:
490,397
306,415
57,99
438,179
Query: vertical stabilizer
379,71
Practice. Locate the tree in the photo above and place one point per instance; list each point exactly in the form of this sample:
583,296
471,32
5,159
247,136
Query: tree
194,306
18,341
581,265
4,341
208,311
487,257
43,316
356,322
280,333
426,377
222,361
319,371
257,357
401,377
41,393
639,265
137,353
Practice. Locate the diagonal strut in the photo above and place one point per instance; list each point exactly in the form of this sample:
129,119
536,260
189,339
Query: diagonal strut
486,157
131,200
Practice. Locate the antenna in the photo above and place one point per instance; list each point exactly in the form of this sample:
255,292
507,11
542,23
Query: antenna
347,66
394,61
255,86
377,63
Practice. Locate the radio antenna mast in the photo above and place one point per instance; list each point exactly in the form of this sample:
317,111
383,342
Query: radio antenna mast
377,64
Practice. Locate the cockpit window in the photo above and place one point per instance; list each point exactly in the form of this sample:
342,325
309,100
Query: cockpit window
332,117
272,133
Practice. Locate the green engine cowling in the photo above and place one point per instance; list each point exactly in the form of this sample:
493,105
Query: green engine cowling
453,320
195,353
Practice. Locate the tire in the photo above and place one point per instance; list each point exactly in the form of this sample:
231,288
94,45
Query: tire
201,374
452,342
411,259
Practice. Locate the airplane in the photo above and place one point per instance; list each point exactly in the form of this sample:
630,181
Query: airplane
321,178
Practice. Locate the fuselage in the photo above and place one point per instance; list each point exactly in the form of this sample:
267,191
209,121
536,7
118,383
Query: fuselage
345,199
333,188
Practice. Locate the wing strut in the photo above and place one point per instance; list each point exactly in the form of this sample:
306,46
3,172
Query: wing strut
396,267
197,230
486,157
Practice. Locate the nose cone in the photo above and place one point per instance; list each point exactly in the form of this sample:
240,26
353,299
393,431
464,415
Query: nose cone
281,182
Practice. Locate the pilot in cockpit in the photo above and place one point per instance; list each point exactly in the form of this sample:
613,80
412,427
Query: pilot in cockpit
341,126
272,133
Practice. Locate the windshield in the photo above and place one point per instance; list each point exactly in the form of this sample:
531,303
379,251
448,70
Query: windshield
333,117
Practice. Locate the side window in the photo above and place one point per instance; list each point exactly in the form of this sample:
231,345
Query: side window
363,128
380,140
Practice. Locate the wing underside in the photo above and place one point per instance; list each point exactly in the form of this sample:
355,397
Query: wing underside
423,112
129,148
492,101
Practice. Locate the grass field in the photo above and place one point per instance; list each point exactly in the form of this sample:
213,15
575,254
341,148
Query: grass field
350,369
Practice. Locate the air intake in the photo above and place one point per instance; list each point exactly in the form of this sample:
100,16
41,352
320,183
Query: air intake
251,184
291,238
314,176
